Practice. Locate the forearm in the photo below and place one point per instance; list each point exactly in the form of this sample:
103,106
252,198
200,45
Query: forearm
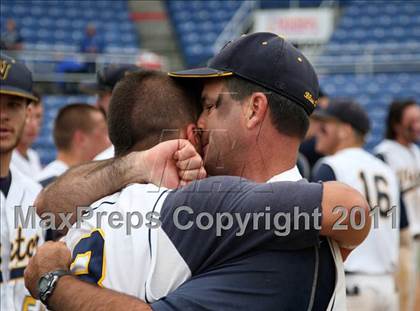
82,185
73,294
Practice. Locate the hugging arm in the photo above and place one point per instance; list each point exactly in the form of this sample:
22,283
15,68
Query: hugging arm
169,164
246,215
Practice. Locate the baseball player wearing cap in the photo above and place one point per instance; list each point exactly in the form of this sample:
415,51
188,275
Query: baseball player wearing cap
400,152
371,267
18,241
106,79
24,157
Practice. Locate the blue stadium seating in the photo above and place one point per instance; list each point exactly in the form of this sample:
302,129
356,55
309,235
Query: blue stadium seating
365,22
62,23
198,24
52,104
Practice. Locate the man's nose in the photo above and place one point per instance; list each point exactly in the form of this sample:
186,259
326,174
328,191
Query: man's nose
201,124
4,115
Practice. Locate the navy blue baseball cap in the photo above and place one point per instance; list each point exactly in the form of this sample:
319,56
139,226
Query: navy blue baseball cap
267,60
346,111
109,76
15,78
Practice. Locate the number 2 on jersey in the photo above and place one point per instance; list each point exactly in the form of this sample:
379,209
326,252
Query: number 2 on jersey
88,260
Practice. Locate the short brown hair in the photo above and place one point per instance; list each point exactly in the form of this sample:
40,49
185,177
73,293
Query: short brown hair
69,119
143,105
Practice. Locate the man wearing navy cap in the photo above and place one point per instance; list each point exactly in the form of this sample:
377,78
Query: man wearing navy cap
370,269
18,242
258,93
106,79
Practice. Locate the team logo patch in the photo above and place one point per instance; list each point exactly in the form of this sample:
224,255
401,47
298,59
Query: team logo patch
4,69
310,98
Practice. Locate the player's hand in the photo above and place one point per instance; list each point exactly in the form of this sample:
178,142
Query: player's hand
173,163
49,257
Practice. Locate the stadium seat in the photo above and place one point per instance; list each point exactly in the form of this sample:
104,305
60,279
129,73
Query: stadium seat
63,22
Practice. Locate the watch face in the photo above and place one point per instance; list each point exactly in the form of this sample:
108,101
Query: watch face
44,283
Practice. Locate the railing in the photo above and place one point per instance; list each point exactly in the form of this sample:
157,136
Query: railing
366,58
327,59
239,22
45,64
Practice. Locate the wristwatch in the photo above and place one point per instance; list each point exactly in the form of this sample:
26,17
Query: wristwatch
47,284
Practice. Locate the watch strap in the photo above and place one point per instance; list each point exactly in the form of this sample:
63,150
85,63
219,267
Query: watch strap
54,276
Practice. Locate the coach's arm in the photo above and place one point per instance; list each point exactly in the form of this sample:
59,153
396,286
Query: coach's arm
71,293
170,164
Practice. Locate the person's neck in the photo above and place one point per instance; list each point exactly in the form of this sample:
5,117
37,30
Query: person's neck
402,141
5,159
23,149
262,164
68,158
347,146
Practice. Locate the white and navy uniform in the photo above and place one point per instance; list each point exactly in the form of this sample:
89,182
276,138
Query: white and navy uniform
222,270
370,267
51,172
30,166
108,153
18,242
405,161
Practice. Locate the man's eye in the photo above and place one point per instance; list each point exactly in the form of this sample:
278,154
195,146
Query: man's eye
14,105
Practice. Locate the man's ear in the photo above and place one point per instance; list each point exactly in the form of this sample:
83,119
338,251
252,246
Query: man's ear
28,112
78,138
345,131
193,135
256,110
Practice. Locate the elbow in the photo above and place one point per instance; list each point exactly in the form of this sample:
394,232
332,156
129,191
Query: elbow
359,222
40,205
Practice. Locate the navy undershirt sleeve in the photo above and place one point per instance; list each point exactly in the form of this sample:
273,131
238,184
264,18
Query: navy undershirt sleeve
404,223
289,213
323,172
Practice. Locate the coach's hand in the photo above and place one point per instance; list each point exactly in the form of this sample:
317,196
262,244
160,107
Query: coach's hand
172,163
49,257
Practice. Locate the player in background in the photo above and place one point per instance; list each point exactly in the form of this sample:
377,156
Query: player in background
80,133
18,243
400,152
24,157
370,269
307,148
106,79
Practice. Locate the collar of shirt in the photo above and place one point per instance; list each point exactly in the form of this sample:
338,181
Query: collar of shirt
289,175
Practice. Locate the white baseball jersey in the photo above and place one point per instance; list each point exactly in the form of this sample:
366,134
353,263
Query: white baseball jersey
18,241
406,164
52,171
108,153
30,166
378,253
150,263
